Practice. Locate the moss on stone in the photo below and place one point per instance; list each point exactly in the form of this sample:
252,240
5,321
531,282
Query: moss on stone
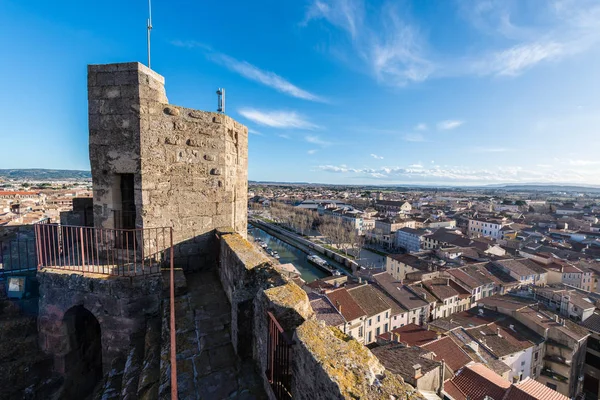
245,251
351,366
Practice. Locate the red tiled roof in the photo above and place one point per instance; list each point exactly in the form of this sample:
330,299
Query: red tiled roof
529,389
445,349
411,335
345,304
453,390
477,381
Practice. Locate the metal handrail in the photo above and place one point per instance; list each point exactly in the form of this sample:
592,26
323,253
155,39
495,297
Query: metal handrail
124,252
279,353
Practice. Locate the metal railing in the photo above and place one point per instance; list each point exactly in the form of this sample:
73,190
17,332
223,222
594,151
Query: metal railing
124,252
17,255
279,354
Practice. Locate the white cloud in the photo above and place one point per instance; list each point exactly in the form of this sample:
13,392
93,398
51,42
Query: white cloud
317,140
277,119
254,132
390,47
414,137
421,127
517,36
284,136
375,156
252,72
449,124
312,151
550,31
417,173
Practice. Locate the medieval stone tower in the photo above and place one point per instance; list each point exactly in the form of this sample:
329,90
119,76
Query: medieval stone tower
155,164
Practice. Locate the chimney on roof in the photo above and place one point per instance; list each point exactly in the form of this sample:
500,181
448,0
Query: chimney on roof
359,279
396,336
498,331
338,306
556,318
418,372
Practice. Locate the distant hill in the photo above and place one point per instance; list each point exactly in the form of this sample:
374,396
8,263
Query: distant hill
44,174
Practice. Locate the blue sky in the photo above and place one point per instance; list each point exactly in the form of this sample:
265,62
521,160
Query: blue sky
340,91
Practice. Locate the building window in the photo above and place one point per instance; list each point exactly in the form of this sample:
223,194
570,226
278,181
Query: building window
387,315
379,318
385,328
551,385
377,331
369,337
360,332
369,321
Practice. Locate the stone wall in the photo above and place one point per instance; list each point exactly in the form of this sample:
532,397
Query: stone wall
120,304
326,364
190,167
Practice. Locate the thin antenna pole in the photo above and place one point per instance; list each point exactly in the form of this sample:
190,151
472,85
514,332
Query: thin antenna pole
149,28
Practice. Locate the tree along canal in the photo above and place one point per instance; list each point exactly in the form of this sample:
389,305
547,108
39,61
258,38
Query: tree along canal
293,255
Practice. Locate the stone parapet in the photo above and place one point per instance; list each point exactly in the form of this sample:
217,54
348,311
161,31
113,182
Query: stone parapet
121,306
325,363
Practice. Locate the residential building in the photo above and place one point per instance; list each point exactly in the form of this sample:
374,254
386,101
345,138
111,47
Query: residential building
591,377
568,303
445,238
417,308
410,239
413,364
354,315
526,271
577,277
399,265
377,309
491,227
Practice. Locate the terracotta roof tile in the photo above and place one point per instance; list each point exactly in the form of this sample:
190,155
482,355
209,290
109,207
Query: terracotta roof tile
530,389
445,349
477,381
345,304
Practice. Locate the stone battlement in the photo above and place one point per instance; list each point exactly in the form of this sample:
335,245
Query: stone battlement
325,363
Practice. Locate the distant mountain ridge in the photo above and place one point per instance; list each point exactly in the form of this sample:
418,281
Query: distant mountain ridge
40,174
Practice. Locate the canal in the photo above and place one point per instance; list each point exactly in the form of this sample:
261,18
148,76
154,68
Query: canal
293,255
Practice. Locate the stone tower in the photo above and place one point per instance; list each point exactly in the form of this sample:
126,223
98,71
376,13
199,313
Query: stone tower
154,164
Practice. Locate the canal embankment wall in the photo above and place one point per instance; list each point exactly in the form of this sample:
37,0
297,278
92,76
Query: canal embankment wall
304,244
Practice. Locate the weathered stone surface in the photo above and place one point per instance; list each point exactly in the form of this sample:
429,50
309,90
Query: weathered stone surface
120,305
133,130
171,111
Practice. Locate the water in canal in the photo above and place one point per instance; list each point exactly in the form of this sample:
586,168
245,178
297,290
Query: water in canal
289,254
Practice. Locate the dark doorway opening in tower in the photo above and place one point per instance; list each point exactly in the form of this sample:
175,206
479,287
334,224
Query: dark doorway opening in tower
83,363
125,218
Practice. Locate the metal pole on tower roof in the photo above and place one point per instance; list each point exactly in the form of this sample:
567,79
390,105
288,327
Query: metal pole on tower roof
149,26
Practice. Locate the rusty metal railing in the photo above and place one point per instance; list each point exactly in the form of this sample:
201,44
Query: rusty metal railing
279,354
172,329
124,252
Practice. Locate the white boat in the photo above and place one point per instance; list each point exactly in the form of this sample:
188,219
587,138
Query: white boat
317,260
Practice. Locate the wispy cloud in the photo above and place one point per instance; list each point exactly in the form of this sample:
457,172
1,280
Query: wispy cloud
277,119
312,151
414,137
421,127
375,156
449,124
317,140
395,50
555,30
254,132
284,136
392,49
253,72
417,173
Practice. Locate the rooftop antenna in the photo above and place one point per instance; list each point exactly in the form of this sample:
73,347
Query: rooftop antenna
221,100
149,28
